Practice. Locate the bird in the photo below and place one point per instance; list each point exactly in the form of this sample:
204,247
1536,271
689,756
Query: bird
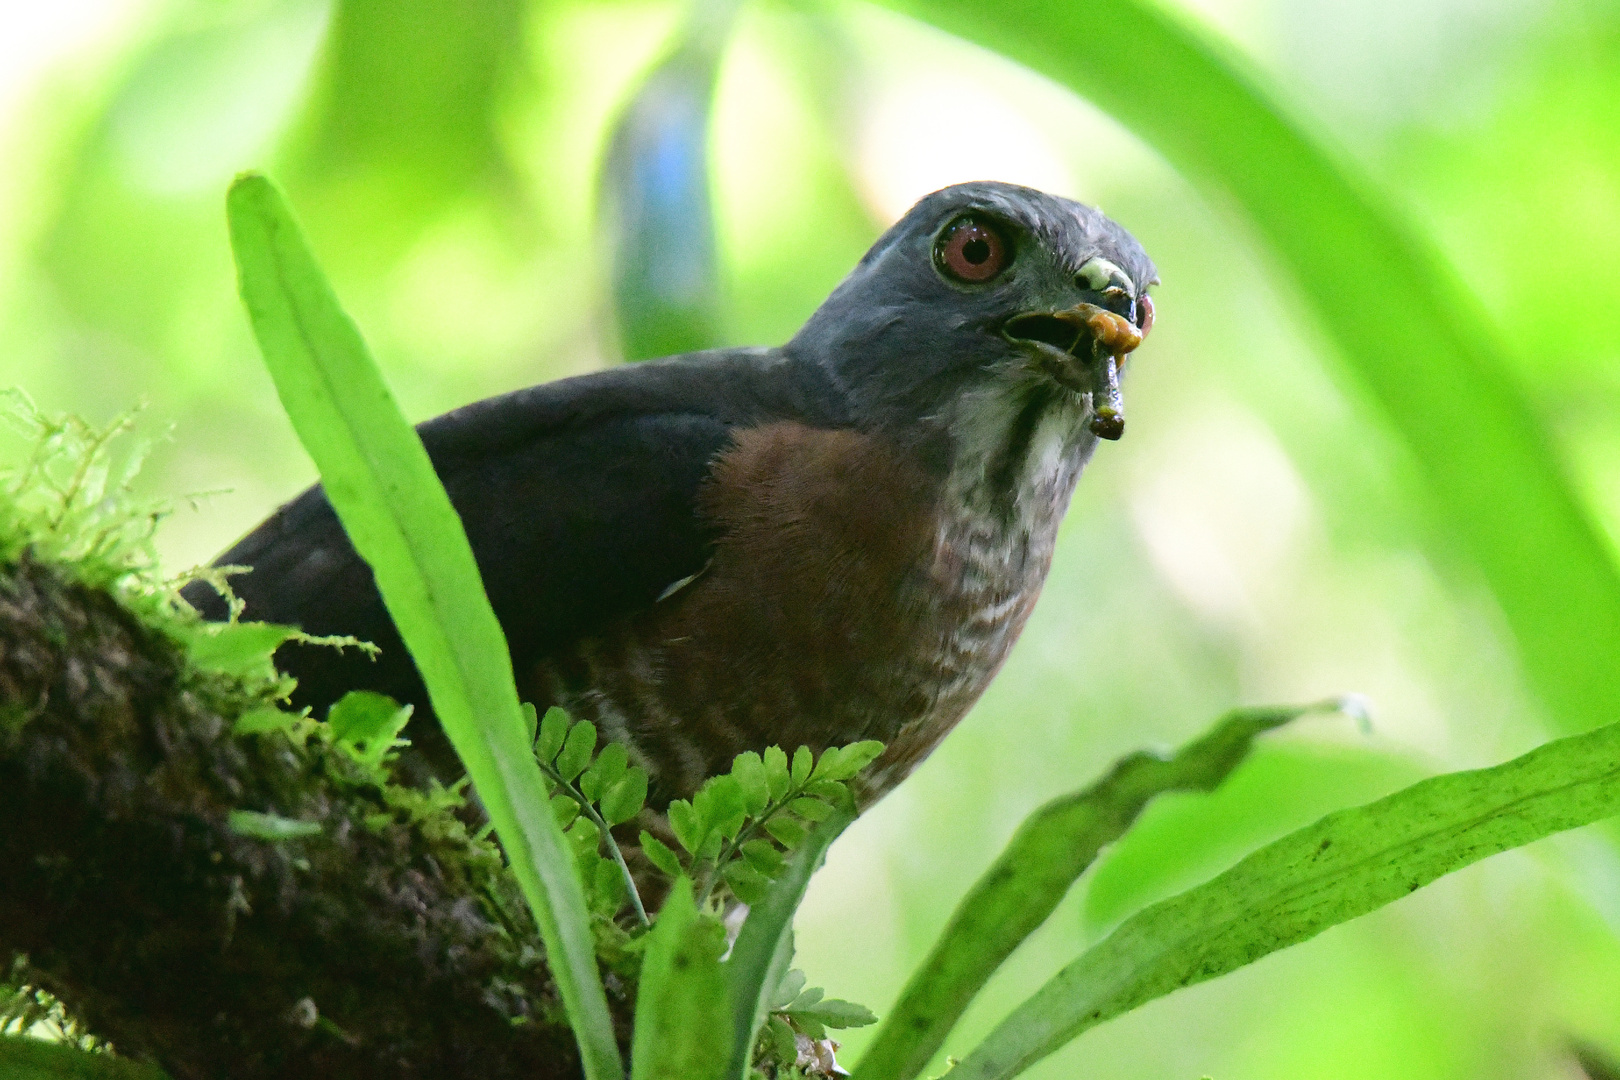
832,540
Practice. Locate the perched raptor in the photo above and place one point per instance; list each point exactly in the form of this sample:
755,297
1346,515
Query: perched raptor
833,540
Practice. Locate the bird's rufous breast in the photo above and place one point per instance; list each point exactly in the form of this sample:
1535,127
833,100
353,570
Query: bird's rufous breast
842,602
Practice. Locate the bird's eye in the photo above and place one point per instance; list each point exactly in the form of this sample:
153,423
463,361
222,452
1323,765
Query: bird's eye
971,250
1144,314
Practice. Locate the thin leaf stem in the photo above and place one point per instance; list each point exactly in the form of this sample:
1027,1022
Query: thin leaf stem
606,830
729,850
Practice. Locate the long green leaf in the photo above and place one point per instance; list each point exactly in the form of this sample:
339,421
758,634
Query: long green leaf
380,481
22,1058
1408,328
682,1001
1051,849
763,950
1345,865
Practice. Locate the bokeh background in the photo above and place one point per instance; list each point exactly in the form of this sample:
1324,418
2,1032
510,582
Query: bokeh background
1261,534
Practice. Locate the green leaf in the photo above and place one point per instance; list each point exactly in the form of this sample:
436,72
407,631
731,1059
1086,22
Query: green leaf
763,856
608,890
368,722
626,797
763,952
605,771
26,1058
553,730
850,761
586,839
749,772
382,485
660,855
787,988
1051,849
805,999
264,719
787,831
836,1014
1374,283
531,720
577,750
565,808
827,762
1349,863
777,779
810,809
802,763
243,649
783,1043
683,990
685,824
746,883
720,805
261,826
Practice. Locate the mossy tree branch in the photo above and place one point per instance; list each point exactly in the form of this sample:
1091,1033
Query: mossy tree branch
390,943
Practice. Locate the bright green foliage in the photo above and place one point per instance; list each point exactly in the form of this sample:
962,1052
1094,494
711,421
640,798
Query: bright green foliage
683,991
1349,863
1049,852
243,649
366,725
726,833
70,501
592,793
737,826
1408,328
809,1010
796,1012
762,955
379,480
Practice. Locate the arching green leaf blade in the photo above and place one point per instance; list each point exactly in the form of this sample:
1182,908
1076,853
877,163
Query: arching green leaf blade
380,481
1051,849
1349,863
682,1004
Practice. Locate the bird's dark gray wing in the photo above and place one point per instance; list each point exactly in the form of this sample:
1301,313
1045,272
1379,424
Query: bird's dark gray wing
578,498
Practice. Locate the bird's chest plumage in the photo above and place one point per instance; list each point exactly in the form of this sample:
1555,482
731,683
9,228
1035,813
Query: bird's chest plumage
851,594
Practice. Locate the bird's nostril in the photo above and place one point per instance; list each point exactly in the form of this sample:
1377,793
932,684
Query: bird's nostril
1053,331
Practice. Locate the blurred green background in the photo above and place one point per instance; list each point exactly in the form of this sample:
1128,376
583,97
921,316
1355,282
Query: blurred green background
1260,535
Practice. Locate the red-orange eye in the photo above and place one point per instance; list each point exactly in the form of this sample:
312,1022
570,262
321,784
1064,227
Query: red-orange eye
970,250
1144,314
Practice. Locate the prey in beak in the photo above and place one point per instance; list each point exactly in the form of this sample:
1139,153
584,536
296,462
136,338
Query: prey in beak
1084,348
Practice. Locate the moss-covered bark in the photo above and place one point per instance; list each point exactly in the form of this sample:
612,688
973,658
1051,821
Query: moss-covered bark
390,944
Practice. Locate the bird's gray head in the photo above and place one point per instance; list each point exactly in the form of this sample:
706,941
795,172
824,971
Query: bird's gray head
987,291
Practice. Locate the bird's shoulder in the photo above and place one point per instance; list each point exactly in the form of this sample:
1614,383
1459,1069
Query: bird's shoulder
579,498
728,387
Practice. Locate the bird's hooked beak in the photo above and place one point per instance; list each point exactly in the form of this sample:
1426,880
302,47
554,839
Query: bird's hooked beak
1083,348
